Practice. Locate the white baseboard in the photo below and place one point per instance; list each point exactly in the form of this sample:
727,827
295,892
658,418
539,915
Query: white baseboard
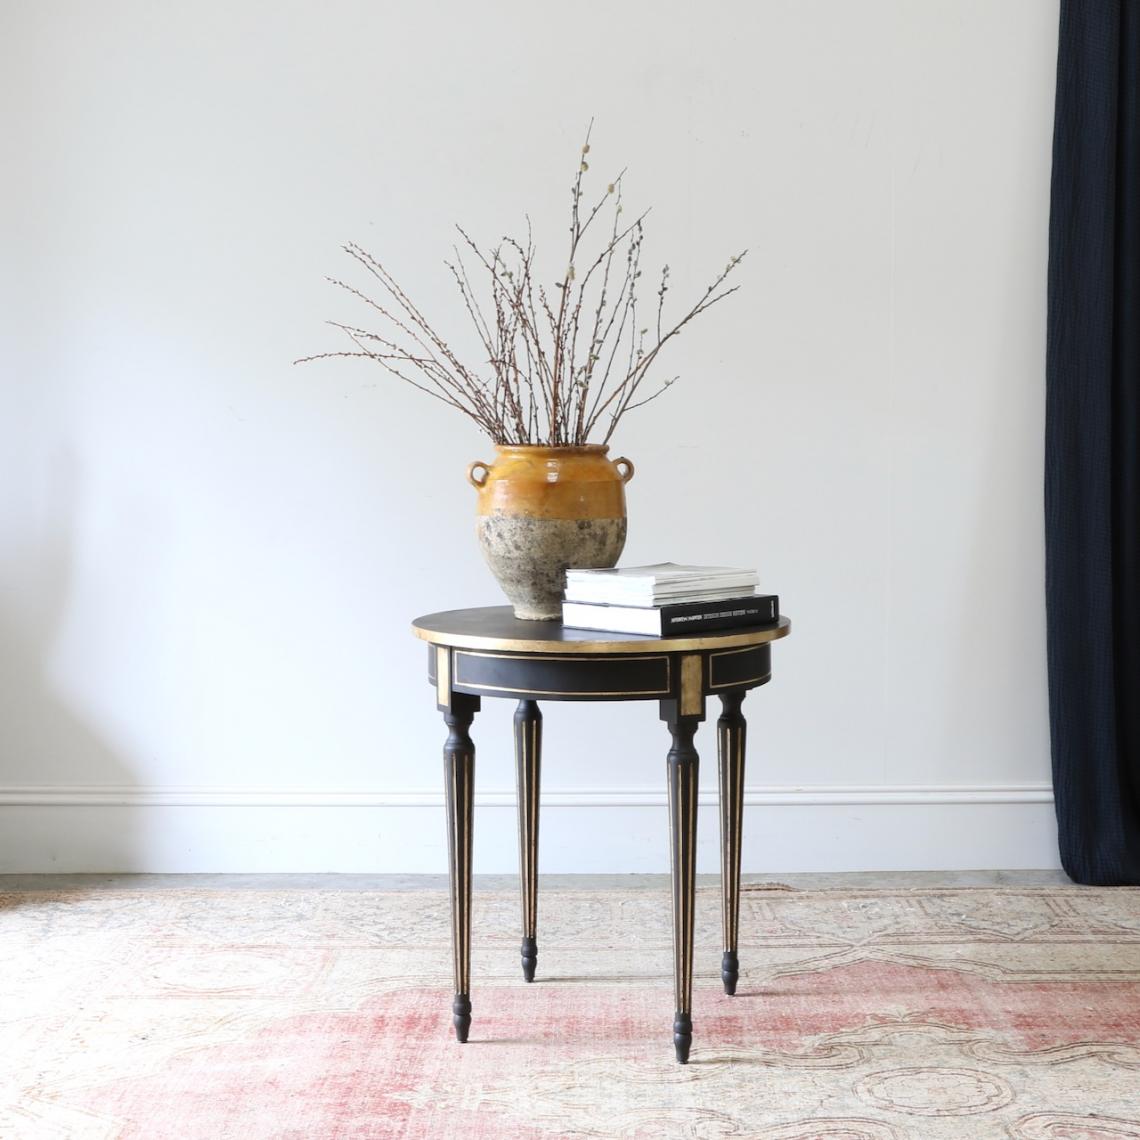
826,828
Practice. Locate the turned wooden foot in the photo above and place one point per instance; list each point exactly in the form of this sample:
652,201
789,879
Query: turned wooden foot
529,954
461,1016
729,971
682,1036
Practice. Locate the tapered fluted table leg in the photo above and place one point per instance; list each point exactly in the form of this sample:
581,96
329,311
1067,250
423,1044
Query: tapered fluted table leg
730,730
528,766
459,779
683,767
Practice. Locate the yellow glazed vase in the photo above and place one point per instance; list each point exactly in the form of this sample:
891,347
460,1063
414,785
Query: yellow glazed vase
544,509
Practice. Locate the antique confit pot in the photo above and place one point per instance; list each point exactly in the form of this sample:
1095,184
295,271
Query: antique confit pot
544,509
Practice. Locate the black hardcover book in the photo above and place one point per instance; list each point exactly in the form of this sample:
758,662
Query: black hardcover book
676,618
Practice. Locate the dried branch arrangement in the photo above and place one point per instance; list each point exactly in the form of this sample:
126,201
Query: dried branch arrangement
563,366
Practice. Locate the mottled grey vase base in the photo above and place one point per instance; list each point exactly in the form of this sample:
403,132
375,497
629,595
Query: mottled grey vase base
529,556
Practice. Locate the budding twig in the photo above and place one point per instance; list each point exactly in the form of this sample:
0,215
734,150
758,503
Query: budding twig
554,374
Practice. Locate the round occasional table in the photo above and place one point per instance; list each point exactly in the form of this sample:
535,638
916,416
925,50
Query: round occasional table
488,652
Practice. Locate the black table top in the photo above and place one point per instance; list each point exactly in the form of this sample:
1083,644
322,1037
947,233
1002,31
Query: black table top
496,627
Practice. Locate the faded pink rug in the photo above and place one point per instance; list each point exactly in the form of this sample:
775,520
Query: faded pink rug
320,1015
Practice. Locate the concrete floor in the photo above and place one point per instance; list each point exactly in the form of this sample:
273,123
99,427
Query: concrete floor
807,881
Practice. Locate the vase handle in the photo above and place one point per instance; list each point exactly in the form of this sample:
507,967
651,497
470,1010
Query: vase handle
478,465
627,474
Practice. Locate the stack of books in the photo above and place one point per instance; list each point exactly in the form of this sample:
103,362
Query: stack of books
666,599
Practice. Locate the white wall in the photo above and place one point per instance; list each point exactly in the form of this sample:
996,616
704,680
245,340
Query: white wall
209,558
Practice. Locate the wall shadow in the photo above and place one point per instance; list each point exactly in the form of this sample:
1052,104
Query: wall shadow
48,748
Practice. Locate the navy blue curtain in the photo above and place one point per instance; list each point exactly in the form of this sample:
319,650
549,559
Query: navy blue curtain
1092,442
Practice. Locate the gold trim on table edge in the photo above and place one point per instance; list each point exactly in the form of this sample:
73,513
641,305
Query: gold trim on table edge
652,692
695,643
737,682
535,693
442,674
692,694
550,656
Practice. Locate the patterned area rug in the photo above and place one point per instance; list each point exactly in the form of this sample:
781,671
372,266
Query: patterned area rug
320,1014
